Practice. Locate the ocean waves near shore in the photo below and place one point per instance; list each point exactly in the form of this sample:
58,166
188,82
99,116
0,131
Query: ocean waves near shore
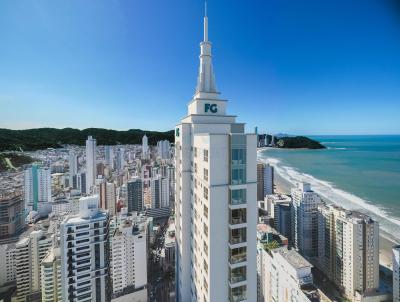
331,193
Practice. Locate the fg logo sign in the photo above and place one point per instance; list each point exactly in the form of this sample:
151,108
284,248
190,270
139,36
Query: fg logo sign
211,107
177,132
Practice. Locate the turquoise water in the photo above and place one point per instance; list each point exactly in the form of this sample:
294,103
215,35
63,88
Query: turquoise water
357,172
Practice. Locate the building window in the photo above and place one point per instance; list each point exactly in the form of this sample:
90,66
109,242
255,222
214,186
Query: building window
205,248
205,191
237,236
206,155
205,266
205,174
237,216
238,293
238,197
238,255
237,274
195,151
205,230
195,168
205,211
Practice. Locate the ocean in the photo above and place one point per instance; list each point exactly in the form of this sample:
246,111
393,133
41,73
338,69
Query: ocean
357,172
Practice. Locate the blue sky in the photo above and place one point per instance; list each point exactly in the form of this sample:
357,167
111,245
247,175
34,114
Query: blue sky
299,67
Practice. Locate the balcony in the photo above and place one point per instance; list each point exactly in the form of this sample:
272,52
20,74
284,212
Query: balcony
237,216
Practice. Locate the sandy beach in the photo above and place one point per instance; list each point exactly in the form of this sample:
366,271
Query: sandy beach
385,245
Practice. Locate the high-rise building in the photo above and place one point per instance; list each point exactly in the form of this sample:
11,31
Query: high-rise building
7,263
348,250
109,156
135,195
145,147
120,159
90,164
396,273
12,218
73,168
284,275
37,187
29,253
129,258
216,194
108,197
265,180
305,220
85,256
159,192
51,285
163,149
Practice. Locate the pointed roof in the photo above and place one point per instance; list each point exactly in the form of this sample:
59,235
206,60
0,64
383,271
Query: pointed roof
206,78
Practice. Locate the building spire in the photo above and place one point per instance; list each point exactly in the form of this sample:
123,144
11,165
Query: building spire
206,79
205,22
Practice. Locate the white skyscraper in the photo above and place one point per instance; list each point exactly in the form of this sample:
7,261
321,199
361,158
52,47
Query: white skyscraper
129,257
215,207
120,159
145,147
163,149
37,187
51,276
90,164
305,220
109,156
348,250
30,251
285,276
84,239
73,168
159,192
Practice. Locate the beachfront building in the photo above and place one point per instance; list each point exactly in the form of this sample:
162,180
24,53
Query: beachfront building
216,197
348,250
280,210
305,220
109,157
284,275
85,255
396,273
265,180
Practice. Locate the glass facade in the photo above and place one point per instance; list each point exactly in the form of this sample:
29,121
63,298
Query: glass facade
238,159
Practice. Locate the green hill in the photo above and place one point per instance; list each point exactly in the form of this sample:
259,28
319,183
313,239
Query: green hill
42,138
298,142
11,161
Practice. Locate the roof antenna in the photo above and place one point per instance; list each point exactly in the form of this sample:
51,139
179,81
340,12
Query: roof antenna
205,22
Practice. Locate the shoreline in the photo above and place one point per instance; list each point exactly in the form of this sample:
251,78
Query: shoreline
283,186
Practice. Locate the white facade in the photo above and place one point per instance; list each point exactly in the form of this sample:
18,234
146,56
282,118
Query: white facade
109,156
215,204
37,186
120,159
159,192
284,275
145,147
91,170
163,149
348,251
305,220
73,167
7,265
129,258
29,253
85,254
51,276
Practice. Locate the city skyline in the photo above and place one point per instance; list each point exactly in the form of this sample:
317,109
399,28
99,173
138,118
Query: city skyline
300,65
